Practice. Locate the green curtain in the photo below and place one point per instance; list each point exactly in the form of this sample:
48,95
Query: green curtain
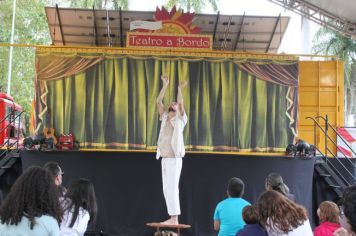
113,105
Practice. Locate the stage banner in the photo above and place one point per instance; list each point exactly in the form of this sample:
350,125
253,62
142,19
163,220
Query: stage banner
347,141
168,29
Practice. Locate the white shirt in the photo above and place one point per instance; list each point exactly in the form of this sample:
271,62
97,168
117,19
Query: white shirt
301,230
44,226
80,225
178,122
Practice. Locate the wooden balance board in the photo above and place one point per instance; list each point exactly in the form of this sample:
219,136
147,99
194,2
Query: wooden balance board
160,226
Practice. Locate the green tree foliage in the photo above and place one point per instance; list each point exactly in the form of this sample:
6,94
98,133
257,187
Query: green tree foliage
328,42
30,28
100,4
195,5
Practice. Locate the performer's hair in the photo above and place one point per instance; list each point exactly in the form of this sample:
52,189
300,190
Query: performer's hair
171,109
236,187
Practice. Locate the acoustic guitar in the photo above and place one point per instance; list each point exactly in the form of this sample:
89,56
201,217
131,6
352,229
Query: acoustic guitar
49,131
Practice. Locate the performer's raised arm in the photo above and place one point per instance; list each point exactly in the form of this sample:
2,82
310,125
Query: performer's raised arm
160,97
180,97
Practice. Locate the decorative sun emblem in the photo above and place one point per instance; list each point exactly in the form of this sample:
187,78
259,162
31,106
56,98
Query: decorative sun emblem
175,22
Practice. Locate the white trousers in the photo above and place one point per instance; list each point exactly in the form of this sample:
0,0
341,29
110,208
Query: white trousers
171,168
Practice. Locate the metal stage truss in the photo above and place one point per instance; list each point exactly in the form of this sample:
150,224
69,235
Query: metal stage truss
336,15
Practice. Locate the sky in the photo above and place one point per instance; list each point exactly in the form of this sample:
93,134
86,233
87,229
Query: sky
294,42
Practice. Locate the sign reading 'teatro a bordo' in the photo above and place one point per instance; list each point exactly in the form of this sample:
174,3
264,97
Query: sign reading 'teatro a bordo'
172,29
136,39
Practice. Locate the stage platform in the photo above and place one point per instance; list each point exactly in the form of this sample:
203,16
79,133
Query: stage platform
128,185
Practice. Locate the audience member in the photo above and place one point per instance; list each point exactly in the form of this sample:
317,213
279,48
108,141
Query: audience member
328,213
80,207
251,217
348,213
228,213
281,216
32,207
57,173
275,182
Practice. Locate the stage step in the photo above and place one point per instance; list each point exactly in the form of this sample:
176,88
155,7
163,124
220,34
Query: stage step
324,175
335,186
9,159
330,177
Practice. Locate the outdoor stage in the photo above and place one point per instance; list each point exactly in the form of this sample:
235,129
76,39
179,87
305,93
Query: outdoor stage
129,188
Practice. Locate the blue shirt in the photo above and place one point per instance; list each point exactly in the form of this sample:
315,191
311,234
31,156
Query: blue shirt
229,213
44,226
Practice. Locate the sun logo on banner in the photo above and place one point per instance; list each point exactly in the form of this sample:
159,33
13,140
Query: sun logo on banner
175,21
168,29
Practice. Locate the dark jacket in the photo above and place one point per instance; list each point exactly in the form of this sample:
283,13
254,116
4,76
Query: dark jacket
252,230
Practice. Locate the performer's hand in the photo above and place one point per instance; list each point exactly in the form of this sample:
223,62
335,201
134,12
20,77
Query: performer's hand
165,80
183,84
341,232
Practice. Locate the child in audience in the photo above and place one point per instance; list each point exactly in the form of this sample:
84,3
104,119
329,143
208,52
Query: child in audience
32,206
328,213
252,219
281,216
228,213
80,208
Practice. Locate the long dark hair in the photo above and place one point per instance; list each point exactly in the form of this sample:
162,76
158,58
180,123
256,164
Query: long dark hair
33,194
81,194
279,213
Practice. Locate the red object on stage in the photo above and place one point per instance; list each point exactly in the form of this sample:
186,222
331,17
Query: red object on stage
66,142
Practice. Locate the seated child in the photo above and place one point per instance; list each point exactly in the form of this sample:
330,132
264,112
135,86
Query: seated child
328,213
251,217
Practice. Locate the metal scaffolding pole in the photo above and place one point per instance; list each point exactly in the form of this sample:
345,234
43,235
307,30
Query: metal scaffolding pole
9,72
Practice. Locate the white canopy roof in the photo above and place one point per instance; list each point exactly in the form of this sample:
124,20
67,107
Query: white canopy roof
89,27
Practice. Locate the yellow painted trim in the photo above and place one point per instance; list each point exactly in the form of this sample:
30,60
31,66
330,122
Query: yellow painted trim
168,52
194,152
341,90
197,147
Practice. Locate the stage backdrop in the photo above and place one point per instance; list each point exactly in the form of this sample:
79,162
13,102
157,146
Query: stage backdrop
109,101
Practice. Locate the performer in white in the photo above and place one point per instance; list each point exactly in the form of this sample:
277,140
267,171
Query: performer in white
170,147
